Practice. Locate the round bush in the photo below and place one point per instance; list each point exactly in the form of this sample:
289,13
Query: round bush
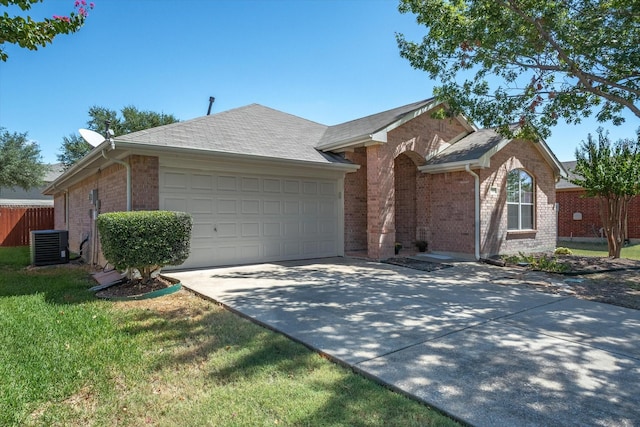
145,240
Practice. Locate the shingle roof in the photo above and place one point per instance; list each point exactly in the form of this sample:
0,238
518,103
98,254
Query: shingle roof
471,147
564,184
366,126
252,130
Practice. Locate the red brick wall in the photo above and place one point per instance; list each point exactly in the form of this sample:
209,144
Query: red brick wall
495,238
355,203
405,171
452,213
416,138
111,185
571,201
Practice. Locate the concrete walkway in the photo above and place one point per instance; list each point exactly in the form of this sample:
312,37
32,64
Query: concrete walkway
487,354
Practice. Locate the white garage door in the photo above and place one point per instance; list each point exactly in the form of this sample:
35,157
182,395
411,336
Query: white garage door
243,218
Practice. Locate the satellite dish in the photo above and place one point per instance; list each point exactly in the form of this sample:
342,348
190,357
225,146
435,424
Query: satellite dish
93,138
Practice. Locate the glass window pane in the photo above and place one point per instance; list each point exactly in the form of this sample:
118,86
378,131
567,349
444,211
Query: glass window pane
512,217
527,217
513,186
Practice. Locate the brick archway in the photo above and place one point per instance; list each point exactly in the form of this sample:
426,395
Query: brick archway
406,203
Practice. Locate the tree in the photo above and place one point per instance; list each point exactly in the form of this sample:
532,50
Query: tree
30,34
132,120
555,59
610,172
20,164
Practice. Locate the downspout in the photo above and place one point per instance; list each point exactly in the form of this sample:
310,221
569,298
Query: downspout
127,166
467,167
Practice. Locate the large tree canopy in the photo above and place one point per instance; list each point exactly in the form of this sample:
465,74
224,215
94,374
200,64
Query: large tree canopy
19,161
30,34
131,120
549,59
611,173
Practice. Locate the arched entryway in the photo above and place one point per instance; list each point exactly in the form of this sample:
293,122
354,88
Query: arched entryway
406,183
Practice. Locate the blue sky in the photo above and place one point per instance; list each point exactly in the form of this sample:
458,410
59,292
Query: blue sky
329,61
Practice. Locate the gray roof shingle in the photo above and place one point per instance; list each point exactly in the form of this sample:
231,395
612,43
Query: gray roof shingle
252,130
469,148
564,184
366,126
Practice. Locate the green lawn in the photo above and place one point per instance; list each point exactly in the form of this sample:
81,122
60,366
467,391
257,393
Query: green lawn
600,249
67,359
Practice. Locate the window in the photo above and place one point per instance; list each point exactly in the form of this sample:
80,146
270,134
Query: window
520,200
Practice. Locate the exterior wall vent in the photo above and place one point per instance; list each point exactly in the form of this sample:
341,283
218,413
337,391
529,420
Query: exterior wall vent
49,247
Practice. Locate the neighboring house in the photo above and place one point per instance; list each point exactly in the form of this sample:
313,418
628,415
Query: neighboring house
23,211
33,197
579,216
263,185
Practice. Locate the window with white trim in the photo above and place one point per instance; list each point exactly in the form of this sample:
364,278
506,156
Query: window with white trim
520,200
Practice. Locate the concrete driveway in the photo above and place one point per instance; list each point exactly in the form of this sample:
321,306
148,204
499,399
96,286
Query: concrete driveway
487,354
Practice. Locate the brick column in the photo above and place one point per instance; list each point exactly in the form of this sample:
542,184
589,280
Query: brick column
381,231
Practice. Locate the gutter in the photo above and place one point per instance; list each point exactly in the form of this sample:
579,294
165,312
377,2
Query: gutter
467,167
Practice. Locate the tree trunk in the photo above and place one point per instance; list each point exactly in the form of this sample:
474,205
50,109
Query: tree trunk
613,211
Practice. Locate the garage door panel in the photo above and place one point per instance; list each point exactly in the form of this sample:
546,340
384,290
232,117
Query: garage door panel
226,230
291,186
242,218
271,185
226,206
250,184
272,207
227,183
202,182
272,229
177,204
250,229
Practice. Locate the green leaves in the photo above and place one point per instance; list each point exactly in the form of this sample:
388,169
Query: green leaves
131,120
552,59
606,169
145,239
30,34
19,161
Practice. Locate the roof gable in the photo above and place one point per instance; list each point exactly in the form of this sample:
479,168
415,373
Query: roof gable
477,149
373,129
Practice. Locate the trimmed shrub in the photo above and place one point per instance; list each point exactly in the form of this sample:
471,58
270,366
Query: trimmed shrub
145,240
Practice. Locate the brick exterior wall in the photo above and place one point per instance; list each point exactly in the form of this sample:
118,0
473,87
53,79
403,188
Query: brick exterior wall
405,172
355,203
111,185
376,179
495,238
572,201
452,215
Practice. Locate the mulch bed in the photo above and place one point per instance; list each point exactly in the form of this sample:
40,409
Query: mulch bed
134,288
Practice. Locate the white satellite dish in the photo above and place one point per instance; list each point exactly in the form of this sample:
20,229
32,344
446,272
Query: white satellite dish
93,138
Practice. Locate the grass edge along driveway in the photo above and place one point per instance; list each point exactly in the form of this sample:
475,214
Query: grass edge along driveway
69,359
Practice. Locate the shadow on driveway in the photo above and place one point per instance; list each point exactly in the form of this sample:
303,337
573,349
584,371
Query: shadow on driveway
486,354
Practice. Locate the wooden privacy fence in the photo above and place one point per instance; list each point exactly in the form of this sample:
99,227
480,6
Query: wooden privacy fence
16,223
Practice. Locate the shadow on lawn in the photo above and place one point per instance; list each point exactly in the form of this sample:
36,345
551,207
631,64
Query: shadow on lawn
59,285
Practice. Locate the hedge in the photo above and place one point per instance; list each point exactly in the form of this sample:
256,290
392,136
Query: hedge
145,240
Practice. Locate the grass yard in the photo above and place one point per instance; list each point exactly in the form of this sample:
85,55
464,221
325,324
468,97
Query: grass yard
600,249
67,359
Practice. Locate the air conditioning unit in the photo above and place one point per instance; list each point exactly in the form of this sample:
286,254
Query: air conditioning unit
49,247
